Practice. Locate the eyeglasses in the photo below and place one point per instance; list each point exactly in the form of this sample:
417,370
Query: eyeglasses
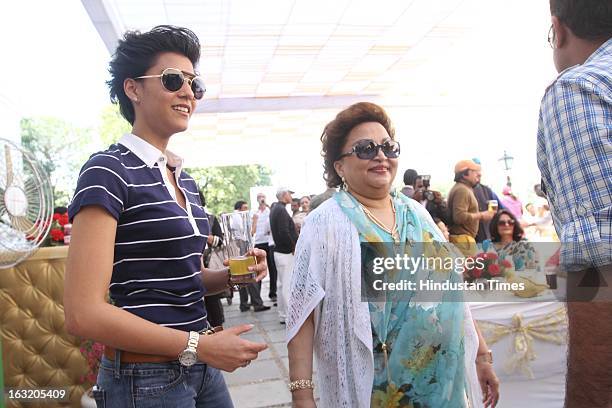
173,79
367,150
505,223
551,36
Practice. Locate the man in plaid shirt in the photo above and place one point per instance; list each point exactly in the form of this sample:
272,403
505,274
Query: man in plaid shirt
575,159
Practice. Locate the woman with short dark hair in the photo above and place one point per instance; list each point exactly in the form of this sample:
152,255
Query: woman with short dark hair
139,230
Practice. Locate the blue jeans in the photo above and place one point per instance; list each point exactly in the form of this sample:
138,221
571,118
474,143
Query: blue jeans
160,385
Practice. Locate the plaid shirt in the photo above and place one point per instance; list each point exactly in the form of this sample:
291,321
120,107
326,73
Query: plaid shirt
575,158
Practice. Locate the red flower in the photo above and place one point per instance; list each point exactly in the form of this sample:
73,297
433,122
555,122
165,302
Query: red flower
492,256
494,270
57,235
56,217
506,264
63,219
477,273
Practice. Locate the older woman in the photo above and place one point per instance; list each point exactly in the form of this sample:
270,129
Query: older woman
508,238
392,353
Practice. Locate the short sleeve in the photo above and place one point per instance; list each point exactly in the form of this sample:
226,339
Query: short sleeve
101,182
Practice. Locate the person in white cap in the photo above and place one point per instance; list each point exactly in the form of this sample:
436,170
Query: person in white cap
285,237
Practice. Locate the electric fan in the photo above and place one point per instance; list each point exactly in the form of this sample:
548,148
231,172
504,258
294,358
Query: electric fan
26,204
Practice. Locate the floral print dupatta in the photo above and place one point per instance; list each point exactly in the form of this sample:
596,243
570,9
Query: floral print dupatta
418,346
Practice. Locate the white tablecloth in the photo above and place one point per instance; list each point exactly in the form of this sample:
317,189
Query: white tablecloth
547,387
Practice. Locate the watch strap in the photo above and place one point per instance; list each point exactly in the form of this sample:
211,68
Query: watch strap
194,339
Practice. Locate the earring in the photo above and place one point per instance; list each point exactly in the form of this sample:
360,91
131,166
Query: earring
135,99
343,186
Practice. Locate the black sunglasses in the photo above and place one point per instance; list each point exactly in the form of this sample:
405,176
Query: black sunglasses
505,222
367,150
173,79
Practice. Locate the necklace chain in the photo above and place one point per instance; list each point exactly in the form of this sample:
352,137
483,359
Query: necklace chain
393,232
395,235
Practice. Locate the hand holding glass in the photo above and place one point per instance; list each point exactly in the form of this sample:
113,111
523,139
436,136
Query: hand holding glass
237,240
492,205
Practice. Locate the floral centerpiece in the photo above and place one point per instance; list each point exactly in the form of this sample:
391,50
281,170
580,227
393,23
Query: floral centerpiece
92,351
487,265
60,227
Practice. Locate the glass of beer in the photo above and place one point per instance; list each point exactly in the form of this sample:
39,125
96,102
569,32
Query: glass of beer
237,241
493,205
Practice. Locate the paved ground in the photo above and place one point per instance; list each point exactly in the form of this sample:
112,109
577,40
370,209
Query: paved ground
264,382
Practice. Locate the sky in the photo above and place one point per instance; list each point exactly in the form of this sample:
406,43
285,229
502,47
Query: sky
55,63
479,99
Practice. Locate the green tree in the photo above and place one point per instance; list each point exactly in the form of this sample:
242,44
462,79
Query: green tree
223,186
60,148
113,125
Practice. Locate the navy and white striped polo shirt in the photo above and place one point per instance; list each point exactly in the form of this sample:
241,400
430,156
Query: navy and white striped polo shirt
158,244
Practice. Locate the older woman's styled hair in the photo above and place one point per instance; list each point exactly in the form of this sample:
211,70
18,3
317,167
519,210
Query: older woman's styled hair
336,133
517,232
137,52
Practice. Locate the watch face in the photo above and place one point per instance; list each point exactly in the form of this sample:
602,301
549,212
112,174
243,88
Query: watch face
187,358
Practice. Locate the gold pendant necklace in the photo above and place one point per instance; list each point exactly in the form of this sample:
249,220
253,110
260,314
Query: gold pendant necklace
395,235
385,350
394,231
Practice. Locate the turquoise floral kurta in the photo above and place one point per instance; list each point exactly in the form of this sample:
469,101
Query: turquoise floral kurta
424,366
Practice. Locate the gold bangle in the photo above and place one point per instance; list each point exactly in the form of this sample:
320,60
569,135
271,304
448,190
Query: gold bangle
301,385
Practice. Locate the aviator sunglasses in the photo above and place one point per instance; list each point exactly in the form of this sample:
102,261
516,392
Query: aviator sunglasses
173,79
506,223
367,150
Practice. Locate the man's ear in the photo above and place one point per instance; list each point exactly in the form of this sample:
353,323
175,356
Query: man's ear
130,87
560,32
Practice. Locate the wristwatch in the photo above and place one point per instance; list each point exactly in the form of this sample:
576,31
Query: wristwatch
485,357
189,356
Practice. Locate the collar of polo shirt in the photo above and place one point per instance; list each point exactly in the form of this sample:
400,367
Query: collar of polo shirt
148,153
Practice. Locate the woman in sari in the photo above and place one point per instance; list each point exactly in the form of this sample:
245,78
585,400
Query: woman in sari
391,353
509,241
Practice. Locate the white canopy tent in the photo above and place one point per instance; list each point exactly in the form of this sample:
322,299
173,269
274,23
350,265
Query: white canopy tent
460,78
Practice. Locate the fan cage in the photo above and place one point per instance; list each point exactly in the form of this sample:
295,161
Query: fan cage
22,234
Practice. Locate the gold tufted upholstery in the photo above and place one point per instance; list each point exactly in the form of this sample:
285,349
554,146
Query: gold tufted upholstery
36,350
